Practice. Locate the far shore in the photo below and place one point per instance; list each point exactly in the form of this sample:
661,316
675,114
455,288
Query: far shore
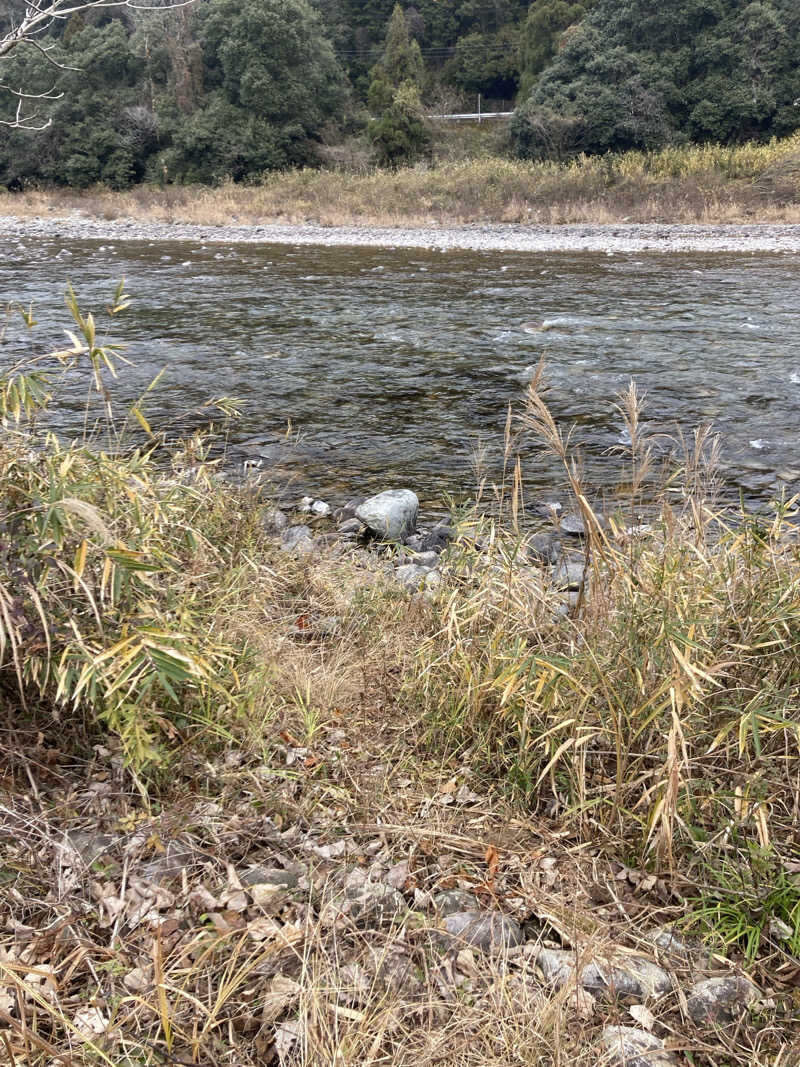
503,237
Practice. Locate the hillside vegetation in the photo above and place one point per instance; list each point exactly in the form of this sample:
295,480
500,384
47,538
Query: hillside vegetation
223,91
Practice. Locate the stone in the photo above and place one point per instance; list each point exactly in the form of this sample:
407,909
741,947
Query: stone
490,931
350,526
450,901
274,520
297,539
271,876
433,580
370,903
572,525
391,515
412,576
544,547
319,507
670,945
720,1000
426,559
348,510
305,504
567,575
628,976
629,1046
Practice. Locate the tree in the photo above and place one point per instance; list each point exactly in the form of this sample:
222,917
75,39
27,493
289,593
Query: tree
638,75
271,83
400,135
26,22
542,31
401,62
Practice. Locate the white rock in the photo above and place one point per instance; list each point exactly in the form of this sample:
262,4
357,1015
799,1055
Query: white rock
391,515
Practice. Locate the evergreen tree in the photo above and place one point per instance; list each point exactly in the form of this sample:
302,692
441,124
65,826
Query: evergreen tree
638,75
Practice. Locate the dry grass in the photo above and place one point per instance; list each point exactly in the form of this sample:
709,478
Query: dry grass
703,184
591,766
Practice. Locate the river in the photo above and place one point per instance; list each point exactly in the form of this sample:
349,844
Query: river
391,367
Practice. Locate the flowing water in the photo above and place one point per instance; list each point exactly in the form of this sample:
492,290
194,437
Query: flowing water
393,366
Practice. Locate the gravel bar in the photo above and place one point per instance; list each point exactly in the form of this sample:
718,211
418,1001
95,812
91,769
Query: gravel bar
481,238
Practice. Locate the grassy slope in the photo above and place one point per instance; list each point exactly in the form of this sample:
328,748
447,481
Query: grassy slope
703,184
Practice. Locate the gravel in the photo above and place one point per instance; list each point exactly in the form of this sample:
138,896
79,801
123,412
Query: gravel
622,238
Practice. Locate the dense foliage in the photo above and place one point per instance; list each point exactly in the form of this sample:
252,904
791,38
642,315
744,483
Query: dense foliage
635,75
223,89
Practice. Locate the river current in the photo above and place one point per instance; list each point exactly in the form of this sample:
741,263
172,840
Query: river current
392,367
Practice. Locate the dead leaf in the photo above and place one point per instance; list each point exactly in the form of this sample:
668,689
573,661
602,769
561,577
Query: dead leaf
282,993
137,980
643,1016
90,1022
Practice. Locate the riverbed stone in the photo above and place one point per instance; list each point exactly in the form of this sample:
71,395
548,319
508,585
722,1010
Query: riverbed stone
411,575
628,1046
720,1001
450,901
297,539
350,526
628,976
568,575
391,515
544,547
274,520
426,559
489,931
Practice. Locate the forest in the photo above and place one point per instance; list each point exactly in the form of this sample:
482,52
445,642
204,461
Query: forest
232,89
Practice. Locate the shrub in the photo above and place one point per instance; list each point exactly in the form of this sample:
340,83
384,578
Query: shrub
115,560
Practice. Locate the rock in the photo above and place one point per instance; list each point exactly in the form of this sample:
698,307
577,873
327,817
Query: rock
450,901
568,575
274,520
391,515
348,510
670,945
720,1000
556,965
371,903
270,876
297,539
628,976
544,547
350,526
433,580
412,576
319,507
572,525
305,505
426,559
630,1047
490,931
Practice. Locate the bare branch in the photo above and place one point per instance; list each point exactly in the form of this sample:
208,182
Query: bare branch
39,17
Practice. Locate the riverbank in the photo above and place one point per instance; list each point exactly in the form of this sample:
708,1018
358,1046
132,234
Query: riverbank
703,186
618,238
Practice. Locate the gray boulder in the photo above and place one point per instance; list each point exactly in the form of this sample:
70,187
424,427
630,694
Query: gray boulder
490,931
391,515
720,1000
297,539
625,976
274,520
412,576
627,1046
